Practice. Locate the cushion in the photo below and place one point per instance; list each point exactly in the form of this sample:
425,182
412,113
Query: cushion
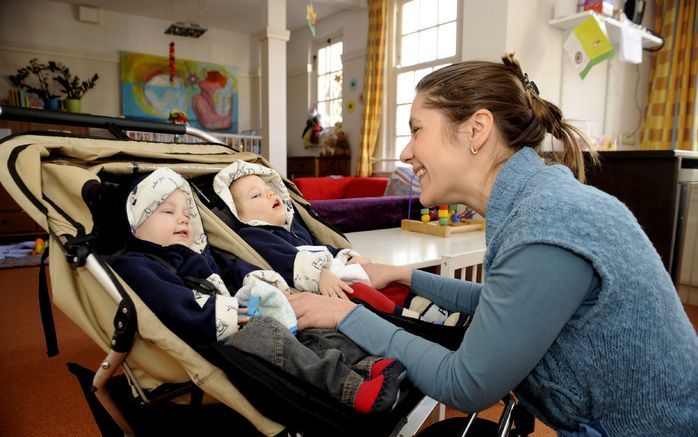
314,188
366,213
330,187
366,187
399,183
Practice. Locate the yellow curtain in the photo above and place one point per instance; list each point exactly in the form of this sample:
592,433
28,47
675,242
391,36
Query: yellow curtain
373,85
671,117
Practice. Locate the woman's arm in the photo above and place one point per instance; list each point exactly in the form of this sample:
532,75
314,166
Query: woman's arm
528,297
383,274
448,293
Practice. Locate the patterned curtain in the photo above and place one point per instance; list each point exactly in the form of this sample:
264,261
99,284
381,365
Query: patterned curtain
373,84
671,118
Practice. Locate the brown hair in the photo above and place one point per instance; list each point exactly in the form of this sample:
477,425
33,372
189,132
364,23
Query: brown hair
521,115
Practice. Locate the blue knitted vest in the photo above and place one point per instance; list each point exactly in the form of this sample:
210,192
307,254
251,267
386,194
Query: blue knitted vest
631,361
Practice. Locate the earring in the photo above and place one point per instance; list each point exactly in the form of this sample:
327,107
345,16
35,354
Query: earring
473,150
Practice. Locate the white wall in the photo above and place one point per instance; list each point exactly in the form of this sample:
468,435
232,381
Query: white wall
608,96
537,45
352,28
49,31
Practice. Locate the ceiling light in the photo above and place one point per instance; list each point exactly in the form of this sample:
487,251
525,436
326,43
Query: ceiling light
189,29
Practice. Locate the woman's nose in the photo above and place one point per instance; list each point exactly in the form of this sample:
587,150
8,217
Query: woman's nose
406,155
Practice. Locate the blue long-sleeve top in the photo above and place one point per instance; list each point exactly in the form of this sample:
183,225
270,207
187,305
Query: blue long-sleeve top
518,313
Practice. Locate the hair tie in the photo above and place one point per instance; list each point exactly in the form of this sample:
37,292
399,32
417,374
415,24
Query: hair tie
531,85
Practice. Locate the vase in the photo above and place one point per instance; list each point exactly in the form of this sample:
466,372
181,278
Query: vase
52,104
72,105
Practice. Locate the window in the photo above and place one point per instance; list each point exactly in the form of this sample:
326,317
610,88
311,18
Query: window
426,39
329,83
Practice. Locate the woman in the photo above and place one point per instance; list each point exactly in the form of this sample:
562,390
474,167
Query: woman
577,315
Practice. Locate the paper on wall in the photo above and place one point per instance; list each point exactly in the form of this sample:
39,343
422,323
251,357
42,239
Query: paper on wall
588,45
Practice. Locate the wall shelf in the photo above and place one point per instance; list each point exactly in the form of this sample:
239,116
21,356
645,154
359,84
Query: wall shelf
613,27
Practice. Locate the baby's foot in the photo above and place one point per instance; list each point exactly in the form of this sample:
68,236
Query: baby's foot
381,392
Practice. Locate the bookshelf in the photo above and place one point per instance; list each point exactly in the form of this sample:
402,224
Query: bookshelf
244,142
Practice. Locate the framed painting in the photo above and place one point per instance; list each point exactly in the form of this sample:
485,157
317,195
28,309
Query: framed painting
206,93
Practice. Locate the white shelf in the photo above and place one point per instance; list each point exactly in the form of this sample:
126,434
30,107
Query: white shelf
613,27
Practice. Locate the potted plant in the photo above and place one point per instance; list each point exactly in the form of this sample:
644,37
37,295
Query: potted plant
71,86
39,72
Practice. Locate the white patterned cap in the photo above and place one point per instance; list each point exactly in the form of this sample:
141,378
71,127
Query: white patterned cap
152,192
240,168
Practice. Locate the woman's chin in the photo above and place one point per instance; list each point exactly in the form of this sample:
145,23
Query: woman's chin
426,200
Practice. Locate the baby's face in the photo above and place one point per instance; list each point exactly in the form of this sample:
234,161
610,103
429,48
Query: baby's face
169,224
254,200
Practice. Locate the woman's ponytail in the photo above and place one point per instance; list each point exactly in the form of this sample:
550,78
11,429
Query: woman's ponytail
522,116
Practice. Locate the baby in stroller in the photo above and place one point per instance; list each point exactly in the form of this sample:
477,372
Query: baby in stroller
263,216
167,261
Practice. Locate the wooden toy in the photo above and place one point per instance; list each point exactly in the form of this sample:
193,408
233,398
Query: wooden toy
448,220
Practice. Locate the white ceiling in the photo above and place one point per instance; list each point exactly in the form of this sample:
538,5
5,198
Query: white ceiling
235,15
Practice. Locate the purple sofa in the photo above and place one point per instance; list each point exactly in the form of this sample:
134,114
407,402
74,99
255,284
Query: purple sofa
366,213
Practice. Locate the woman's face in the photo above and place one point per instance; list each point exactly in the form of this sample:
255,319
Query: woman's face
438,157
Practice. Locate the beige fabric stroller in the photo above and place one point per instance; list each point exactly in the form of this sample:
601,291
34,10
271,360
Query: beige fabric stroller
58,179
52,177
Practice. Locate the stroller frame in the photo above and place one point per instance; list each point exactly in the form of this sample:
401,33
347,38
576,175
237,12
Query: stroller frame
125,324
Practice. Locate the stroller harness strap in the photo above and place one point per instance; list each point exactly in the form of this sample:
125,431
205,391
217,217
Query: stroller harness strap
201,285
45,309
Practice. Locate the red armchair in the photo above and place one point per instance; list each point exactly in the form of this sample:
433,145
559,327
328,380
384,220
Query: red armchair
345,187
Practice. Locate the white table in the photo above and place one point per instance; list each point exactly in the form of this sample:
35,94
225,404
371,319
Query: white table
413,249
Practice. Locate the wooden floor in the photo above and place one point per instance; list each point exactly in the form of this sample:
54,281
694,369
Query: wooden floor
40,397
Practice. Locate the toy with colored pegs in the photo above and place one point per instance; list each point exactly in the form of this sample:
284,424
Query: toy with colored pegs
442,221
425,215
443,215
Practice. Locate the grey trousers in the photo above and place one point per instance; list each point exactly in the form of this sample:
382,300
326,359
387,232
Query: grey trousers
324,358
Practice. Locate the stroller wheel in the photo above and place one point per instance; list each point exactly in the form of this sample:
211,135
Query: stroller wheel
455,426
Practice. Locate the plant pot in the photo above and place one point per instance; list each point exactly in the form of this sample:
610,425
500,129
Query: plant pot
72,105
52,104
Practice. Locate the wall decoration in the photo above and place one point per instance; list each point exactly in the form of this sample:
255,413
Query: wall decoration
353,84
207,93
351,106
173,68
311,16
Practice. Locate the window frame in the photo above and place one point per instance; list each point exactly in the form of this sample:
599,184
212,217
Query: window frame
319,44
388,155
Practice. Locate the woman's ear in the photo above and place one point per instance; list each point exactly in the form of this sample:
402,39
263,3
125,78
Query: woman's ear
480,126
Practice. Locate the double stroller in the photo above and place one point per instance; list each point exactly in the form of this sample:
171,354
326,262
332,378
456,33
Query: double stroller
68,184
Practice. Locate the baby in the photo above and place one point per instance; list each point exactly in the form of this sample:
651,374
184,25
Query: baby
263,216
168,264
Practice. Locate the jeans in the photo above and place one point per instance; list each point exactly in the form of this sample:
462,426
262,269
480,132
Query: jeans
324,358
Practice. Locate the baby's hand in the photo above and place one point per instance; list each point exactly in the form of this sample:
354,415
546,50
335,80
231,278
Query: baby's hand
242,319
361,260
330,285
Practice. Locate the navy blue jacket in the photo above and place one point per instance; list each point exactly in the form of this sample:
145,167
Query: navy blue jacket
279,246
166,292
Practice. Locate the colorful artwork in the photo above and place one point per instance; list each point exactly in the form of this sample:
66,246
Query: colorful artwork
206,93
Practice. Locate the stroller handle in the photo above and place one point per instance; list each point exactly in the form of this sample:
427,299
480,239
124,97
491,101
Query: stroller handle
88,120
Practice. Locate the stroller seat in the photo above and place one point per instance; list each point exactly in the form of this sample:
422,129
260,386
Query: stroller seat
57,180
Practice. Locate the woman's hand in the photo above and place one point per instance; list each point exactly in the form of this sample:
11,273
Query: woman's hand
315,311
381,275
331,286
